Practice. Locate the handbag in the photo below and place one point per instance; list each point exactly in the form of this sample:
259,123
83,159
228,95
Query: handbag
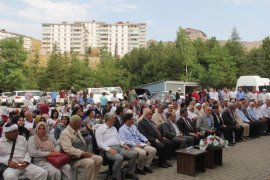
3,167
59,160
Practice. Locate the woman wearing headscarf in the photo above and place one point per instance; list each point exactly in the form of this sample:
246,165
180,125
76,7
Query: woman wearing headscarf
42,145
61,126
17,119
3,118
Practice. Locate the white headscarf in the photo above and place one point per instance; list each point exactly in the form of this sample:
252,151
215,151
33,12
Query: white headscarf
10,128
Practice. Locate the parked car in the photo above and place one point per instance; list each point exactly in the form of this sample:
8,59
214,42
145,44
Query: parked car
118,90
36,95
16,98
3,97
141,92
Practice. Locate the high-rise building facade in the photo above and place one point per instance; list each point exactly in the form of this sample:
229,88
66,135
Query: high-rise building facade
118,38
27,41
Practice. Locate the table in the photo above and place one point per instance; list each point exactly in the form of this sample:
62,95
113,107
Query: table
213,157
188,161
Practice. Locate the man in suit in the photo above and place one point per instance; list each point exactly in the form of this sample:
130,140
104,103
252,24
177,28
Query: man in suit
219,125
164,146
171,132
256,124
205,122
231,123
118,119
185,125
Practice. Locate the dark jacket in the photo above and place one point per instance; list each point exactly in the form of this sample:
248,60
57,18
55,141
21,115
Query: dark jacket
182,126
227,118
148,131
168,130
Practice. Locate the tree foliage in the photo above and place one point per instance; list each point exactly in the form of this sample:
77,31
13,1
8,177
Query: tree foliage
205,61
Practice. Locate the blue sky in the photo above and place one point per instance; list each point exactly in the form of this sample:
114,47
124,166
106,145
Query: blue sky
214,17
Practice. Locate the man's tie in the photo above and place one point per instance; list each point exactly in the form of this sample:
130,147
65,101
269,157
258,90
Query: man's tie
156,129
189,125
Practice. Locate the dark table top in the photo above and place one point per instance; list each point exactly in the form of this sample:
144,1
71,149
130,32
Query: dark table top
192,152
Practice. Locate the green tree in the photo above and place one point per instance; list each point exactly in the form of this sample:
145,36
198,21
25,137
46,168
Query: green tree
186,50
12,57
236,50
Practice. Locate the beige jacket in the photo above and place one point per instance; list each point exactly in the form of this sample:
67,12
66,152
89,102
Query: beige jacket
69,136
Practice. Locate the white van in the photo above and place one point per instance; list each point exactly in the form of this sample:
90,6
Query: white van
97,92
249,82
118,90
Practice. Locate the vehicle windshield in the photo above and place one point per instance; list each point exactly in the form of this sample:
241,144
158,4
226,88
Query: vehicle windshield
6,93
21,93
98,91
36,93
118,90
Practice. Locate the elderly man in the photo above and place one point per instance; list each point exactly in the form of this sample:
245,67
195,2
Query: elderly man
171,131
29,122
205,122
164,146
73,144
116,149
139,143
229,119
20,162
265,112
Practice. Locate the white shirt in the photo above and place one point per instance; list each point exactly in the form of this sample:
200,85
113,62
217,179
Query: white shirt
265,111
175,128
213,95
107,137
28,125
192,115
253,96
177,115
263,97
114,99
233,94
20,151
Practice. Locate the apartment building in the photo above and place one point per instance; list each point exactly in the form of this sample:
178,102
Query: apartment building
27,41
118,38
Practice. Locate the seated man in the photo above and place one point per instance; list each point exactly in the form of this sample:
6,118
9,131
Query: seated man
229,119
171,131
20,163
205,122
139,143
220,127
73,144
242,120
116,150
185,125
164,146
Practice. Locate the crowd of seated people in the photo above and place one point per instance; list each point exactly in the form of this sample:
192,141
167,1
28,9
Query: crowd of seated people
133,130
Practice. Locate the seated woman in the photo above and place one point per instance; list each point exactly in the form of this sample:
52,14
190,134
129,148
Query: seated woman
38,119
90,120
42,145
61,126
17,119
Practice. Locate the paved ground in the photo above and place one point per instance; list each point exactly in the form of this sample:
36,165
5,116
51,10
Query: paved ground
247,160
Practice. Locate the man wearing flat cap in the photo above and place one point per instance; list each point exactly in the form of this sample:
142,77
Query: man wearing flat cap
20,163
73,144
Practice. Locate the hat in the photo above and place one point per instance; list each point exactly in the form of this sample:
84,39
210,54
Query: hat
197,104
264,89
179,89
8,127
